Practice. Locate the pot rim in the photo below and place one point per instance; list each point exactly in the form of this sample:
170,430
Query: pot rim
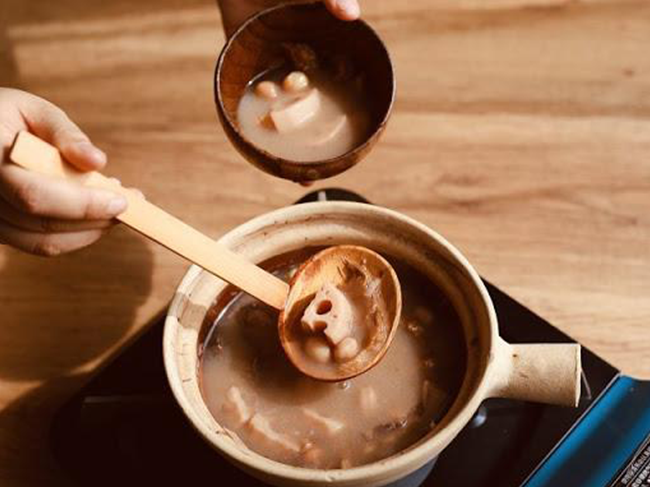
413,455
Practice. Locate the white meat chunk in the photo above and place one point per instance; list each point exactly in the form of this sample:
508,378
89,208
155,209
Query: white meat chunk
433,395
331,425
263,432
330,311
236,407
330,130
296,114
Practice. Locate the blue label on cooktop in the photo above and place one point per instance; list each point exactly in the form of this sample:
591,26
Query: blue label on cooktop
610,442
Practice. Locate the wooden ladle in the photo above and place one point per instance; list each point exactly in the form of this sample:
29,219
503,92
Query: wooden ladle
36,155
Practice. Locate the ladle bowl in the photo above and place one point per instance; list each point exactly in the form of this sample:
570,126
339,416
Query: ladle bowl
331,266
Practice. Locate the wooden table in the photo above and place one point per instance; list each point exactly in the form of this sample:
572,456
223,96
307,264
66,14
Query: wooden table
521,132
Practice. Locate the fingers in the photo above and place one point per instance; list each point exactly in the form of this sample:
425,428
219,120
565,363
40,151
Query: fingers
344,9
52,124
44,215
56,198
47,244
25,221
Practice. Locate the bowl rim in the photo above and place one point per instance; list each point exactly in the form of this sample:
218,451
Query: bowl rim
321,163
416,455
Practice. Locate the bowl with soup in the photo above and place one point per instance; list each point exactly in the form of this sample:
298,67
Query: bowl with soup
229,374
301,94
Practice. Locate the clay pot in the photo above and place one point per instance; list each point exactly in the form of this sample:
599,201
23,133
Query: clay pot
258,45
547,373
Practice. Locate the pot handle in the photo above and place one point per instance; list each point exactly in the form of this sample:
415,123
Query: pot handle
548,373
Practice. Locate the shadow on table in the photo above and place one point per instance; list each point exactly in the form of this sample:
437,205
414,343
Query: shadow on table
66,311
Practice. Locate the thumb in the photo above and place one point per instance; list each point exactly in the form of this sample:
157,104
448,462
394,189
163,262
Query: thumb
51,124
344,9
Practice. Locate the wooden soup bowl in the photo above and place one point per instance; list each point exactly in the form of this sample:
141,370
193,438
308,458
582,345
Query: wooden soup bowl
258,45
547,373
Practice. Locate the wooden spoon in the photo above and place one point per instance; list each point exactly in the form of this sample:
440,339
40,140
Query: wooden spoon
36,155
335,265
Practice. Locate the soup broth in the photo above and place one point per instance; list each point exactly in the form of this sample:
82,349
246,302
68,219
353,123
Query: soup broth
253,391
303,119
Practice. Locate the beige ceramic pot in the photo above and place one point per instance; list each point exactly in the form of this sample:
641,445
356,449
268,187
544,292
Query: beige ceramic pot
534,372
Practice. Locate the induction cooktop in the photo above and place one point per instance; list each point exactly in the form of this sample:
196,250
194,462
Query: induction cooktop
124,427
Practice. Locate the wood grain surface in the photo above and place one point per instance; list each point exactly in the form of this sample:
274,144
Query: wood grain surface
521,132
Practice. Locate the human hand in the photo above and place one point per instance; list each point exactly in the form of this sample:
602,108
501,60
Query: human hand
43,215
234,12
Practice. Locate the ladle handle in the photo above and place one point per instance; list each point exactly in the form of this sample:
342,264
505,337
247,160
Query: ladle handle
36,155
